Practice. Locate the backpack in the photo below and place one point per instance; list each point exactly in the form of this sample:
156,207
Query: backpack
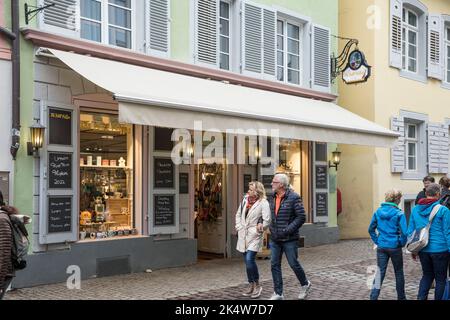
419,238
20,243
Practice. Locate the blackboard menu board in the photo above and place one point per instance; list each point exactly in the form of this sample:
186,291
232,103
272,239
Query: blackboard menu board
321,204
321,177
59,170
164,173
60,127
163,139
59,214
184,183
247,180
267,181
164,208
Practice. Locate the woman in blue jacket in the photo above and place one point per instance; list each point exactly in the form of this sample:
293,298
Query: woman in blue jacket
434,258
388,231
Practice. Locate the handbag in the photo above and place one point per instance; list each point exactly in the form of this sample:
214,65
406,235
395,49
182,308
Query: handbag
419,238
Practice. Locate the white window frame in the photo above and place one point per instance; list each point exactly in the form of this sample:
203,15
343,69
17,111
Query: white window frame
230,35
105,23
300,53
447,53
406,29
408,141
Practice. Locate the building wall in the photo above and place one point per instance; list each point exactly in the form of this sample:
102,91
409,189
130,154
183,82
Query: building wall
368,174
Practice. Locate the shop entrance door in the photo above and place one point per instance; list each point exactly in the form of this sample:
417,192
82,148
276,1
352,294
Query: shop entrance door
210,199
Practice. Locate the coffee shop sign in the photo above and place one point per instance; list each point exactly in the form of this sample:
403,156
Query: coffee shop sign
357,69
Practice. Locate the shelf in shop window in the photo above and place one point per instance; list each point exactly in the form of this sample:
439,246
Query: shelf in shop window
105,167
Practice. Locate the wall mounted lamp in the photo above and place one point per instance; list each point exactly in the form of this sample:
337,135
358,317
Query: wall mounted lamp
336,156
37,138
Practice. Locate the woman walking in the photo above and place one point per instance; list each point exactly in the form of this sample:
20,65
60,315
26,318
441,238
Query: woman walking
252,218
388,231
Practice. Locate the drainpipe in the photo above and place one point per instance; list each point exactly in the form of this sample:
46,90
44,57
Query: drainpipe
15,132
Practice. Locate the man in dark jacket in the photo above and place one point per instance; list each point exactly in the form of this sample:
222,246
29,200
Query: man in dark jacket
445,191
6,266
288,215
426,182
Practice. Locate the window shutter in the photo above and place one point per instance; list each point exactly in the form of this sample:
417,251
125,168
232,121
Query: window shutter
158,28
62,18
252,39
398,151
396,33
445,150
207,31
435,133
269,42
435,61
321,78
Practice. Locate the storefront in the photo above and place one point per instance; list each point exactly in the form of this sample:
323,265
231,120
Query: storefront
136,175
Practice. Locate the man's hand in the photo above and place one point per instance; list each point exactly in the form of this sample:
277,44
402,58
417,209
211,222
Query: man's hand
260,228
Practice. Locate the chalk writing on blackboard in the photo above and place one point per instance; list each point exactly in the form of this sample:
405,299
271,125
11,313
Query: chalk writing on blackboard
164,208
60,127
59,214
164,173
59,170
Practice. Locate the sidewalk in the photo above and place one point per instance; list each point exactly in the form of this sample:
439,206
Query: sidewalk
337,272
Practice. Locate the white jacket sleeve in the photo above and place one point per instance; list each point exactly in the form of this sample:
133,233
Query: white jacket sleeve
266,214
239,225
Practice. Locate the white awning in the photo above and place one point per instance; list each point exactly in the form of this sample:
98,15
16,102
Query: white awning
159,98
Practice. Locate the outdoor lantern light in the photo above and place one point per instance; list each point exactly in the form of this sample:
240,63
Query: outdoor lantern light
37,138
336,159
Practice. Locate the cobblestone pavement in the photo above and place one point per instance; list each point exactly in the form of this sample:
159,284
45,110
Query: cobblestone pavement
337,272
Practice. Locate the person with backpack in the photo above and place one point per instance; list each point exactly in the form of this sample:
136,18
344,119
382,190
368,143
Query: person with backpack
429,215
6,243
388,231
445,191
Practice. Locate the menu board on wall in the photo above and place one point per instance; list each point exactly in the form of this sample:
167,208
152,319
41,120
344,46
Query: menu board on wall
184,183
321,204
59,214
163,139
164,209
321,177
267,181
59,170
60,127
164,173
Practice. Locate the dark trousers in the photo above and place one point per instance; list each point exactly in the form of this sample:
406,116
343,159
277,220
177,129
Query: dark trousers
8,281
383,256
290,249
252,268
434,267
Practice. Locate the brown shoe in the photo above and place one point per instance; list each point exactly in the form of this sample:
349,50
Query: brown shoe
249,290
256,291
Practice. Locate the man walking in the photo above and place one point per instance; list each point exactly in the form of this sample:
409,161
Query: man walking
426,182
6,266
288,215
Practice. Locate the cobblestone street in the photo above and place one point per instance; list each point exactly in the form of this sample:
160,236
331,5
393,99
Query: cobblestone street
337,272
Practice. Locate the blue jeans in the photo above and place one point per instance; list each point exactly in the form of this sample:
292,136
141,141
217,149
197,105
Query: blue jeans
434,267
252,268
290,249
383,256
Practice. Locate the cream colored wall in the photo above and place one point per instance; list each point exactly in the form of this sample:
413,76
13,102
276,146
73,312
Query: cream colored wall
365,173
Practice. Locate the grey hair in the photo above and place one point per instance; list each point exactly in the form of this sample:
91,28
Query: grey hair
433,190
284,180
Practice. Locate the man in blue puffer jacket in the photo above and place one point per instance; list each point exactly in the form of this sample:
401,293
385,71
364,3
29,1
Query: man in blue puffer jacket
434,258
288,215
390,222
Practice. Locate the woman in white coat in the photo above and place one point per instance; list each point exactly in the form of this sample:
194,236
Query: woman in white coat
252,218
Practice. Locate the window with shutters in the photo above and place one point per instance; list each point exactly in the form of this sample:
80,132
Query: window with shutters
410,31
412,142
107,21
225,24
289,52
447,54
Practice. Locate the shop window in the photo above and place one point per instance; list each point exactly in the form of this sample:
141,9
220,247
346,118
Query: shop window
290,162
289,52
106,177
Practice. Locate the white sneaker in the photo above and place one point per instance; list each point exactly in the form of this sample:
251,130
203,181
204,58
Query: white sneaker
304,290
276,297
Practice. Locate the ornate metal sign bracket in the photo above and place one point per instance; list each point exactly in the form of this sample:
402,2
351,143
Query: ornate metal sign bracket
339,63
35,11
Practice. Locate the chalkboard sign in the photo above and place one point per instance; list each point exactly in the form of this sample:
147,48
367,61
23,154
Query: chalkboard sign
164,173
59,170
163,139
247,180
59,214
60,127
164,208
267,181
321,204
321,177
184,183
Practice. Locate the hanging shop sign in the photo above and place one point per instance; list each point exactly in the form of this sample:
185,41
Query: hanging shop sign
357,69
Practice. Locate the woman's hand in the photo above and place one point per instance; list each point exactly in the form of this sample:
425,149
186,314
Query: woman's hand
260,228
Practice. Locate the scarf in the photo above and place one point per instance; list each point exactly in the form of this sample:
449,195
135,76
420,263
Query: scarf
251,201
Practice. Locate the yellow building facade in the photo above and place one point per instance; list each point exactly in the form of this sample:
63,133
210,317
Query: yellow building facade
407,42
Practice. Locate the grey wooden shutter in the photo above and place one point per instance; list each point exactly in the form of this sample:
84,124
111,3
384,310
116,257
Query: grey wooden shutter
435,60
269,42
158,28
437,148
252,39
62,18
207,15
396,34
398,151
321,78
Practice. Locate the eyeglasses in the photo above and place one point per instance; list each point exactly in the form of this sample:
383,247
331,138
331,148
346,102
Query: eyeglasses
276,182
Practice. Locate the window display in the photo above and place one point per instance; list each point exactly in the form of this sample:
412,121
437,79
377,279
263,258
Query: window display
106,177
